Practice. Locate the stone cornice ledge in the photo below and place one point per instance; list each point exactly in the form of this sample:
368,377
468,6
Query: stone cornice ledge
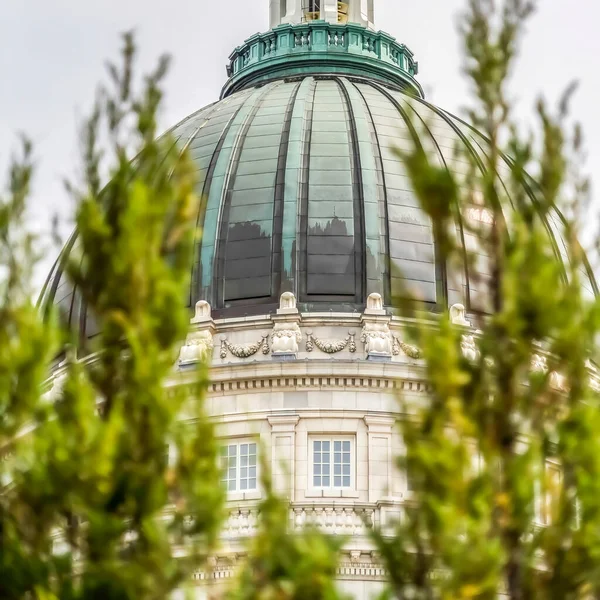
267,375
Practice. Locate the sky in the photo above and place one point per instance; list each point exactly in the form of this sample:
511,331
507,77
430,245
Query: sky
53,54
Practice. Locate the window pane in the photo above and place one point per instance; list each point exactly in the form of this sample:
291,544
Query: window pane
244,449
325,446
337,469
346,469
252,484
337,446
317,446
347,481
317,469
252,471
243,484
317,481
337,457
346,446
337,481
326,481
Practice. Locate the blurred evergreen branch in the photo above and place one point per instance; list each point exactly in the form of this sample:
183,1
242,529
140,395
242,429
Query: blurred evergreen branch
92,472
507,490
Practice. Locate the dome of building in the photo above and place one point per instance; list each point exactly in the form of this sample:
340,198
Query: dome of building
301,185
310,228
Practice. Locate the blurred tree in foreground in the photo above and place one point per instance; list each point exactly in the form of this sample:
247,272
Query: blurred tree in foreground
286,565
84,512
106,493
505,459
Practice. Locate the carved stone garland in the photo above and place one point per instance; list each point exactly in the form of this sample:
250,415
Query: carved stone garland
330,346
246,350
410,351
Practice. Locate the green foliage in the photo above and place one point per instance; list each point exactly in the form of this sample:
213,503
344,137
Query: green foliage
504,457
503,460
284,565
91,471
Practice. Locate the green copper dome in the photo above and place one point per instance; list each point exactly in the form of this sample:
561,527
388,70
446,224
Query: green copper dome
303,190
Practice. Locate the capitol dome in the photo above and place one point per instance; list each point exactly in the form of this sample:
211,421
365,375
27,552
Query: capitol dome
301,185
310,228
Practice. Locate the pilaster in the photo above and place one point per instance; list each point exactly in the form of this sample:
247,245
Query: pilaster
283,453
379,435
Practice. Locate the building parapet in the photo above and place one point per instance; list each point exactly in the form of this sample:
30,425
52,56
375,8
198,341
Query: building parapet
318,47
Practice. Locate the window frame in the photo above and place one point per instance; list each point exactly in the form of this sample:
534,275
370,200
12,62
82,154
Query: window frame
238,443
331,489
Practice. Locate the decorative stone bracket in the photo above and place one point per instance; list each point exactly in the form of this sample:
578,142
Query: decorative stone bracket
286,335
458,315
375,333
199,342
557,381
330,346
469,348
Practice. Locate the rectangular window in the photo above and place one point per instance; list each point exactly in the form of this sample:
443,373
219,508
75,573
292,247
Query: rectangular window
238,464
364,9
332,463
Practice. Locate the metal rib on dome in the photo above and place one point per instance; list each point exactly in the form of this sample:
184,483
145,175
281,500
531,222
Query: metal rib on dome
302,190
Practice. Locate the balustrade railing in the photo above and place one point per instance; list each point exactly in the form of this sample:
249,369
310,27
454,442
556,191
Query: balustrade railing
353,41
337,519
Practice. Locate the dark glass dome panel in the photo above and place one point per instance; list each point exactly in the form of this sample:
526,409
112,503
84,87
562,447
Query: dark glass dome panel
303,190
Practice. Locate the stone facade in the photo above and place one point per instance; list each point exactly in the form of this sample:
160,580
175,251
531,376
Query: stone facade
325,382
302,387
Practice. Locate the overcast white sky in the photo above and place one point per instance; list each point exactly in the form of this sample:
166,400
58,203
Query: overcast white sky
52,54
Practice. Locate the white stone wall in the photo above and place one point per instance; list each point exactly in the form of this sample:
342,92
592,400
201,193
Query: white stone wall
283,381
286,418
289,379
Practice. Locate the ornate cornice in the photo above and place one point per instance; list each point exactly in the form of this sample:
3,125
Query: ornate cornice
298,375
